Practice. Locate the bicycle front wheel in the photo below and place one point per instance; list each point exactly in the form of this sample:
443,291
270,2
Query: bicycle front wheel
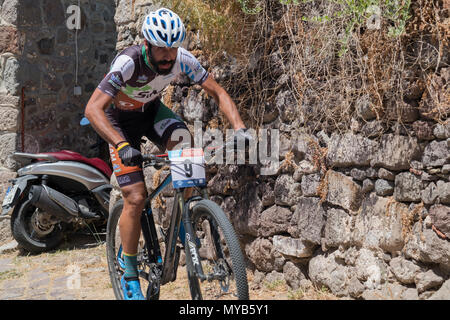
221,255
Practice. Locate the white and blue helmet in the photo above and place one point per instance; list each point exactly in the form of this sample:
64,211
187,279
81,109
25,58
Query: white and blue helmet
164,28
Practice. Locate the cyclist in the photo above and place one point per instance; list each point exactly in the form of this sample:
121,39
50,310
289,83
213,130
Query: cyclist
135,80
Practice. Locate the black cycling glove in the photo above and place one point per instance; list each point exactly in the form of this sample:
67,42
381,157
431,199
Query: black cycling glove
130,157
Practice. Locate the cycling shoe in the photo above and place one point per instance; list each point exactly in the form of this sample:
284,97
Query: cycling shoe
131,289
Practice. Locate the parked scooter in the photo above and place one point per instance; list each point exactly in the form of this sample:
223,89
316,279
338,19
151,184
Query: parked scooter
55,192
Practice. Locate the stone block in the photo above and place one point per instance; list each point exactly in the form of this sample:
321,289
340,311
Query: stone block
326,271
8,118
274,220
440,217
404,270
408,187
429,194
424,245
386,174
8,145
428,280
350,150
443,191
342,191
443,293
436,154
338,228
395,152
369,223
308,220
384,187
262,254
10,84
10,40
9,11
393,229
293,247
293,275
309,185
287,191
369,269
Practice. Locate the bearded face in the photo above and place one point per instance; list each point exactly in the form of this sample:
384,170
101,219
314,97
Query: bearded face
162,58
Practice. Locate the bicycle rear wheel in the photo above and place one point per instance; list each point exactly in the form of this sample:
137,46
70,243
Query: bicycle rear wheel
220,255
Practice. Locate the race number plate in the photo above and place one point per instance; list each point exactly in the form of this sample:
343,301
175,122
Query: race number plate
187,167
10,195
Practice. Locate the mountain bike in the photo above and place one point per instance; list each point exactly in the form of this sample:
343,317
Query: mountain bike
195,223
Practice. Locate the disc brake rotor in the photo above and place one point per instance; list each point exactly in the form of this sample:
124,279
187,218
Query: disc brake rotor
221,267
41,223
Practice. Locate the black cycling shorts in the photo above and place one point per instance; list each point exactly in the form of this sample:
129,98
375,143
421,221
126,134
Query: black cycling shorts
156,122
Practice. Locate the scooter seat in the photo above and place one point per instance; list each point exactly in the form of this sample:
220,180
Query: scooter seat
67,155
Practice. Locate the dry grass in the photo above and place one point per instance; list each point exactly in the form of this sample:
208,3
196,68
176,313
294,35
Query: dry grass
288,161
322,188
214,23
311,294
408,217
329,67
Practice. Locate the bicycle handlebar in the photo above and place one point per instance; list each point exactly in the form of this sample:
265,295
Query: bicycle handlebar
153,159
160,158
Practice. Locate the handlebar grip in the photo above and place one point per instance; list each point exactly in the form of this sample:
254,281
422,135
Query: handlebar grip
148,157
155,158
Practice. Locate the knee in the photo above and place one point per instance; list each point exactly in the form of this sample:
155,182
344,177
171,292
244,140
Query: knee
134,197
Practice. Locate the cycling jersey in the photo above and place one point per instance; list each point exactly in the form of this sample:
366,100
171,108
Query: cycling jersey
132,82
137,109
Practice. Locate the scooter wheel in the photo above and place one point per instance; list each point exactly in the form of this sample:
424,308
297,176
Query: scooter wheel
29,234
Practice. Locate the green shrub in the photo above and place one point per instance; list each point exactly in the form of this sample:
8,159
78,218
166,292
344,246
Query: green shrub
354,13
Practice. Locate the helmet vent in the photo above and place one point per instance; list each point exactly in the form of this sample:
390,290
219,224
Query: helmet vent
162,36
175,37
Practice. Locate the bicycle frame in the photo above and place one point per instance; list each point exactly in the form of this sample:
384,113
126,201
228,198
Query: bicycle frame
167,269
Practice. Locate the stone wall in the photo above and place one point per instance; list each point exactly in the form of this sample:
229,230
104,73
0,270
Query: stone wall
37,57
364,213
11,47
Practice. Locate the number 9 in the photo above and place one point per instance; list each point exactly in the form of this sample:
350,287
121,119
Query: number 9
188,168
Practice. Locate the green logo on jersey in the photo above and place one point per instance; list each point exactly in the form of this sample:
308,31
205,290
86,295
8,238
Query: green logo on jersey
132,91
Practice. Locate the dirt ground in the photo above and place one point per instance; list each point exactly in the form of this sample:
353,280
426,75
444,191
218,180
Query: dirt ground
77,270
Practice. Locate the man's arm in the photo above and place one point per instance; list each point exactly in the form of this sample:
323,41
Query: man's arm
95,112
223,99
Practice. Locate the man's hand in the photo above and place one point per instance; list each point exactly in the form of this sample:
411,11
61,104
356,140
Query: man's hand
130,157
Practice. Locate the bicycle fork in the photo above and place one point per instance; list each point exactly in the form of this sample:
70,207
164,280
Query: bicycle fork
172,254
190,243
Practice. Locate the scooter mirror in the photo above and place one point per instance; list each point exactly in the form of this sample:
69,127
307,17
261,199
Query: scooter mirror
84,121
